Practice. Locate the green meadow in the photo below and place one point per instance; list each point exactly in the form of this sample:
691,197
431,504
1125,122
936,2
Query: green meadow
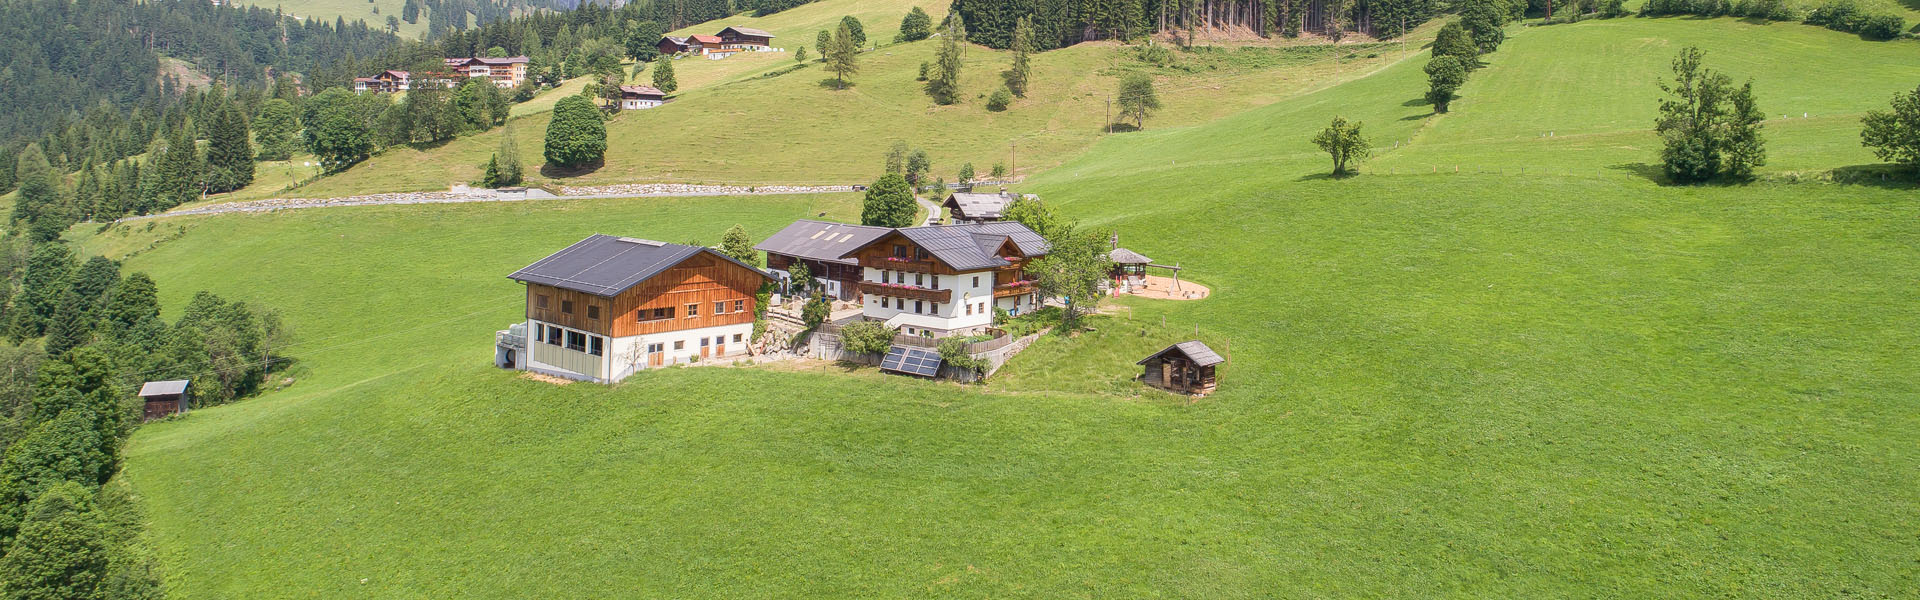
1567,382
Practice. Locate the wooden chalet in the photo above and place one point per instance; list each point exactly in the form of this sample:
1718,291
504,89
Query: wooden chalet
505,73
608,306
640,97
745,38
671,45
702,44
386,82
1184,368
162,398
965,207
821,246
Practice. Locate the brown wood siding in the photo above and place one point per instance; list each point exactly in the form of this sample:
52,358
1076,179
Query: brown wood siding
578,319
702,280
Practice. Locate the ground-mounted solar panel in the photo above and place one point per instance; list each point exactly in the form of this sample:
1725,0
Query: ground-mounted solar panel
924,362
891,362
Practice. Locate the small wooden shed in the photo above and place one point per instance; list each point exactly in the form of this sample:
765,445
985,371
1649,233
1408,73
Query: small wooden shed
1185,368
164,398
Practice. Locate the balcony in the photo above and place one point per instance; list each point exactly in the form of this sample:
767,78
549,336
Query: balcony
910,265
900,290
1013,288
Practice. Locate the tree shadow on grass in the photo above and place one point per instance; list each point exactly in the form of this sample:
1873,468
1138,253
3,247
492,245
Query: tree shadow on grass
1648,171
554,171
1329,176
424,146
1121,128
835,84
1878,175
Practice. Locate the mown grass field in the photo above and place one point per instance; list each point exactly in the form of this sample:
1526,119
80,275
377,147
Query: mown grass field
718,131
1572,384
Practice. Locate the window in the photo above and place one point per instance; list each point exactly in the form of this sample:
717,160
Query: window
540,301
976,281
720,307
703,342
919,279
693,310
936,282
918,305
679,344
884,301
969,308
736,338
576,341
886,276
740,306
900,250
920,253
553,335
593,345
593,312
566,306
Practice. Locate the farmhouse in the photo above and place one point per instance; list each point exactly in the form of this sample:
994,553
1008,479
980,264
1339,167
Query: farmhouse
1186,367
162,398
388,81
946,280
674,45
608,306
638,97
505,72
745,38
968,207
702,44
822,247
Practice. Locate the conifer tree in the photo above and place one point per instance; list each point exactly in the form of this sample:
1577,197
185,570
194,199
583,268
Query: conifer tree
229,154
1021,72
663,77
944,85
842,56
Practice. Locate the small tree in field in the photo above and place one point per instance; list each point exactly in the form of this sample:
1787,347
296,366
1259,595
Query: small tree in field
855,31
1342,140
1073,269
663,77
915,27
889,203
800,55
1454,40
843,56
822,40
1137,98
1020,73
944,84
1894,135
1445,75
1709,128
577,134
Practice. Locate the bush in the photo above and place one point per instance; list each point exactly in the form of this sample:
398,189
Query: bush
1844,15
816,312
577,134
953,350
1883,27
1000,99
866,337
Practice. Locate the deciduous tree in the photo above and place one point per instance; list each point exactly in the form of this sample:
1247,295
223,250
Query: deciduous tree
577,134
1342,141
1445,75
857,32
889,203
275,129
915,26
663,77
1894,135
1137,98
737,244
843,56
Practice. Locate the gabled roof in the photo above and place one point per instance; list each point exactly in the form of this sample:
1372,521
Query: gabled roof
1194,350
972,247
976,206
605,265
1128,257
678,40
163,388
641,90
821,240
395,73
505,61
748,31
705,39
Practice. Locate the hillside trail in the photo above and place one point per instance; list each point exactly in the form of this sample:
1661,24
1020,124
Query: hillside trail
459,195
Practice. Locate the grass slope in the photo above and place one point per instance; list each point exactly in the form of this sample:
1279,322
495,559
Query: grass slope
1475,385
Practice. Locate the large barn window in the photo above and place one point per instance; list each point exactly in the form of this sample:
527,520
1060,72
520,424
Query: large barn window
553,335
594,345
576,341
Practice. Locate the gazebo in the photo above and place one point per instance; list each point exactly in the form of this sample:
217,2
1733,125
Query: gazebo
1129,269
1184,368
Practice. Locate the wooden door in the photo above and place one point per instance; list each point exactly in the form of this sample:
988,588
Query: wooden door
705,348
720,346
656,354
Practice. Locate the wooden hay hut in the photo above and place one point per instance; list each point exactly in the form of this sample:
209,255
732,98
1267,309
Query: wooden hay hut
1185,368
163,398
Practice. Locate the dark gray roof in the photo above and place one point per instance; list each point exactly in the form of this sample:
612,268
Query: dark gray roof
973,246
820,240
748,31
1195,350
604,265
1128,257
163,388
979,206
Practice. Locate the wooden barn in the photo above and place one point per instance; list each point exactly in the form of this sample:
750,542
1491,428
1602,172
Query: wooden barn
164,398
1184,368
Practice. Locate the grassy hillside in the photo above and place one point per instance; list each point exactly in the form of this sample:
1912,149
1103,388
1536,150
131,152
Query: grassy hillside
1576,383
738,126
351,10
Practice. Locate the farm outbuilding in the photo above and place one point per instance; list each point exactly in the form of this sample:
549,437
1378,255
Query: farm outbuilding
163,398
1186,368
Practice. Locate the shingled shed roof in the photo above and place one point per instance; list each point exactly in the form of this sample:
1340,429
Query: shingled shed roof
1128,257
1195,351
604,265
820,240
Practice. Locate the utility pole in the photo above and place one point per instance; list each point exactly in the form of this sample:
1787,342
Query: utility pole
1014,154
1109,115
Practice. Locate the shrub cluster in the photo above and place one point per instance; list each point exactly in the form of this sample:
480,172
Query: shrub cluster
1844,15
1838,15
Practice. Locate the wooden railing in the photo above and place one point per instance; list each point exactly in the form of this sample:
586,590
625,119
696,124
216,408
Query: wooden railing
909,292
1015,288
916,265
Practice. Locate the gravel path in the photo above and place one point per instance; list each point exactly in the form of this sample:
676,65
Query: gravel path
933,210
643,190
